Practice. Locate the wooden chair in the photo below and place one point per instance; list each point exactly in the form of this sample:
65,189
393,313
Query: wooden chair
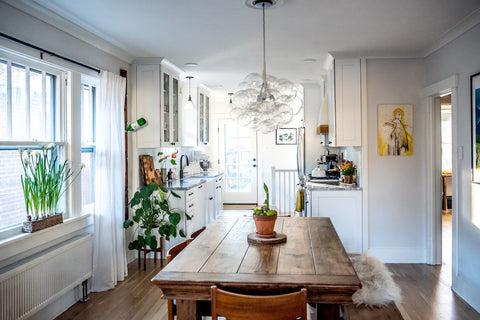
197,233
236,306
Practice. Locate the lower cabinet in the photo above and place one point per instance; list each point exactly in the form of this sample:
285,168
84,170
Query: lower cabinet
218,196
344,208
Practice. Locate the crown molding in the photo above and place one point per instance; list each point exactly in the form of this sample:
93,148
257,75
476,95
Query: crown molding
456,31
76,28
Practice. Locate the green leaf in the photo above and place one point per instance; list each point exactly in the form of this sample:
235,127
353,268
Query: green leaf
174,218
162,195
135,200
134,245
175,194
265,187
182,233
173,230
151,241
172,161
141,241
139,212
163,189
188,216
146,191
146,204
160,154
127,223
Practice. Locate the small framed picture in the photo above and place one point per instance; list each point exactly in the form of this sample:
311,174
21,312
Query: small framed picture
475,88
286,136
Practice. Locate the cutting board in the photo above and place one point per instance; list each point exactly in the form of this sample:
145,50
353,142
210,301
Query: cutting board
148,173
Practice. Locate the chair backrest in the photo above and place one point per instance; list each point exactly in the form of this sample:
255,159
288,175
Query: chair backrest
197,233
175,250
235,306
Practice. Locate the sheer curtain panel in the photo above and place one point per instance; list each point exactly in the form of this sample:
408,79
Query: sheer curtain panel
109,256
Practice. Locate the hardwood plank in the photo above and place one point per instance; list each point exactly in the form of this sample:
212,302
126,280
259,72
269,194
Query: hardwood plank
329,254
296,255
260,259
197,253
229,254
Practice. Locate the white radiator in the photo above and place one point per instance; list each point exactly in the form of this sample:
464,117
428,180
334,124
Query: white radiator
284,190
33,283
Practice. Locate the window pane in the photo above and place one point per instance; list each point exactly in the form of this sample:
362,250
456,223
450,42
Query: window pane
87,178
19,104
3,101
36,109
87,115
50,107
12,204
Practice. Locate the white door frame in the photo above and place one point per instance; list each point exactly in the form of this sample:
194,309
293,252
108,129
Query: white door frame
433,221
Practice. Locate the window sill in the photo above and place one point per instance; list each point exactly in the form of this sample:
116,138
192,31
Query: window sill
22,245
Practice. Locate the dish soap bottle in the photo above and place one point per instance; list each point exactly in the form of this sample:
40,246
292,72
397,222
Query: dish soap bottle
170,174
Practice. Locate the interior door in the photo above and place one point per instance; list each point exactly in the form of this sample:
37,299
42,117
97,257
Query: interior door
238,160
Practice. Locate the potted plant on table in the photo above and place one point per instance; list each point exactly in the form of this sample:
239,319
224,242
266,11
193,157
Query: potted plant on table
265,218
153,216
348,170
44,182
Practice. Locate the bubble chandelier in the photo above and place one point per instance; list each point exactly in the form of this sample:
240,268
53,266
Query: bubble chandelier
263,102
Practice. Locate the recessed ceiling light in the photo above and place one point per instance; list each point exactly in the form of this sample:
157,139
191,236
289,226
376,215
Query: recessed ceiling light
191,64
309,60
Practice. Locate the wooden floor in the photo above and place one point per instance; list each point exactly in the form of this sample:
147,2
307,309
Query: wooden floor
426,296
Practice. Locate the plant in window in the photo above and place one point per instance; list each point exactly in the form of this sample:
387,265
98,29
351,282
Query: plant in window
153,215
44,181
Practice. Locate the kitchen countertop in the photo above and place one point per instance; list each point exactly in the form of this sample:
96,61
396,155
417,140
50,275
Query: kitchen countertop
318,186
191,181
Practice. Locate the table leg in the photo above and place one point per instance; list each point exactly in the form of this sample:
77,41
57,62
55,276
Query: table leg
187,310
328,311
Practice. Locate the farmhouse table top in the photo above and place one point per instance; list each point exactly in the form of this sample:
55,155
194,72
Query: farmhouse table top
313,257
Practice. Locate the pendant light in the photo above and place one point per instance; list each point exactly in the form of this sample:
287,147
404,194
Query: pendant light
263,102
189,105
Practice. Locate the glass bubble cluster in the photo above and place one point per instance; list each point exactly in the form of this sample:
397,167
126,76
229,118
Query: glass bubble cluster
266,103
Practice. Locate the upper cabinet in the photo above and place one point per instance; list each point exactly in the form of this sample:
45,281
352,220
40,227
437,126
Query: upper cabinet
203,108
348,107
345,108
170,107
157,99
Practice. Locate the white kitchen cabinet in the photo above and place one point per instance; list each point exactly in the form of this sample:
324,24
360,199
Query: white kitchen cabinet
344,208
148,105
218,196
203,108
345,113
211,211
157,99
170,107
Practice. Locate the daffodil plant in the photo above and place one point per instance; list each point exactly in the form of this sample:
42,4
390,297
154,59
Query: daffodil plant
45,180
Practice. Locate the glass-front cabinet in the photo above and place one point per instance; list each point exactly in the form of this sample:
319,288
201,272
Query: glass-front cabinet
203,116
170,108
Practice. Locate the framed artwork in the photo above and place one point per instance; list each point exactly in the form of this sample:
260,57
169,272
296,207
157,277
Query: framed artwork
286,136
475,88
395,129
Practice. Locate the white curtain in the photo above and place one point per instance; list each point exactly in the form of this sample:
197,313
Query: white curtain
109,254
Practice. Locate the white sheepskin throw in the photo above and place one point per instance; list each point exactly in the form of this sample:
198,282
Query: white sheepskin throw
378,287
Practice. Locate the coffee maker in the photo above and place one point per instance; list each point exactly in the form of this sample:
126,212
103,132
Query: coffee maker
332,168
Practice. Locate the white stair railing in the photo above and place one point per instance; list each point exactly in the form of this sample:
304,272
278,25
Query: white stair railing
284,190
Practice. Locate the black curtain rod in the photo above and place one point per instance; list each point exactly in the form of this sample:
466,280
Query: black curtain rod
42,51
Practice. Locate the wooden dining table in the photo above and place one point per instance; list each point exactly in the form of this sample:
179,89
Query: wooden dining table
313,257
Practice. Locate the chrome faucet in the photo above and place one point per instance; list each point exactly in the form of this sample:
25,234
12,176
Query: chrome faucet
181,166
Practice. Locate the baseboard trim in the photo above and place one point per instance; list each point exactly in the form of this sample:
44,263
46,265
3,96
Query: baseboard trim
399,254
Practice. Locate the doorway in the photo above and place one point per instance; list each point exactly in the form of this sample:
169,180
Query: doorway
446,154
238,160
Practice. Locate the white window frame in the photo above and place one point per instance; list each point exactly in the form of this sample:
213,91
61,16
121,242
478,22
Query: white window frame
67,128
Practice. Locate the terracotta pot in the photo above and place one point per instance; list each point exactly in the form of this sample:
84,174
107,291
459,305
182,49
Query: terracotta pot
265,225
348,179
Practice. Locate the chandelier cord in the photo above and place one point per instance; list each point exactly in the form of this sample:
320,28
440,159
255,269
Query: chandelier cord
264,59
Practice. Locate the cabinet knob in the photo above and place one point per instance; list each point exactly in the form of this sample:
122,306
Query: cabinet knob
200,187
211,198
190,205
254,165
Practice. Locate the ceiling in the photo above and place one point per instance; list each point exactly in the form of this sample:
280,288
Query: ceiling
224,36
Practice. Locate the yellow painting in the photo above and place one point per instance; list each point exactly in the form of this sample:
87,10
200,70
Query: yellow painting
395,129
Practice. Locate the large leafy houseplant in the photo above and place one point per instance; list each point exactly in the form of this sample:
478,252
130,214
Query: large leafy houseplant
152,212
44,181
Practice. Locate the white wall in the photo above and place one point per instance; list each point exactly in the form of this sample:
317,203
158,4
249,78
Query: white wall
396,198
461,57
